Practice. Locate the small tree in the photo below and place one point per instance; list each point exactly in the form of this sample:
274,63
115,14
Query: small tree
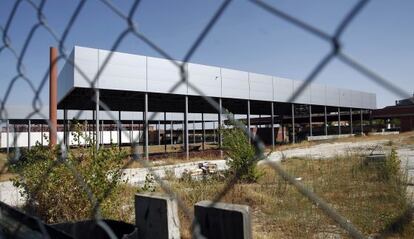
240,154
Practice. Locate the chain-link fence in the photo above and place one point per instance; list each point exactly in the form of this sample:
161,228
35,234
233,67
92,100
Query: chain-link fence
336,52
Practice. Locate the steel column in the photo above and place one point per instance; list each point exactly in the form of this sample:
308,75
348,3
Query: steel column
29,131
272,112
204,131
165,132
220,122
293,124
41,134
8,137
339,120
119,129
362,122
65,127
186,144
310,121
326,121
351,123
248,120
159,136
97,99
194,133
172,133
146,126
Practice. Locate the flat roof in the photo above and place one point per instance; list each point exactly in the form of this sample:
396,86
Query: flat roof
126,78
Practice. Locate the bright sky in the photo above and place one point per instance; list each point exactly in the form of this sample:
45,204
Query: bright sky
246,38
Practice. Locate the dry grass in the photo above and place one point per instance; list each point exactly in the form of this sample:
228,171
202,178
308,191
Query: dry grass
279,211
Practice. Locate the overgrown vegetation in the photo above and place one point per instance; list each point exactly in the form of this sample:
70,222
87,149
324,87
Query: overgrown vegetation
61,188
240,154
370,202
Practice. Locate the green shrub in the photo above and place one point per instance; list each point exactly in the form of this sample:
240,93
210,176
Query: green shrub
240,154
52,186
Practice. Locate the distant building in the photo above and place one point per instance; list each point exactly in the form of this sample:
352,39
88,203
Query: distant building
403,110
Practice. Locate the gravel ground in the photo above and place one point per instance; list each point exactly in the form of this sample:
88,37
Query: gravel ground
136,176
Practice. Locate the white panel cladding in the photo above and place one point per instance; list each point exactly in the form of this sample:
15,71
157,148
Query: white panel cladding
332,96
283,89
373,100
345,99
205,78
356,100
86,60
318,94
235,84
122,71
304,96
366,101
66,79
163,76
261,87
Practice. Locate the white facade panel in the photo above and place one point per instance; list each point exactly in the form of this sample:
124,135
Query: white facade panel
86,60
318,94
356,100
206,78
65,79
332,96
283,89
261,87
163,76
235,84
304,96
345,99
122,71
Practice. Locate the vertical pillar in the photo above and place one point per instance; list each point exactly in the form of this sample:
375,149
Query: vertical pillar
272,115
204,131
92,125
339,120
146,126
220,122
186,145
310,121
98,138
214,131
65,127
248,118
119,129
132,132
282,125
172,133
194,132
41,134
326,121
293,124
165,132
350,121
362,122
53,96
159,133
29,132
8,137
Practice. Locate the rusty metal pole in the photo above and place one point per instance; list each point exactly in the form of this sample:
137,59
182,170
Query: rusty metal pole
53,96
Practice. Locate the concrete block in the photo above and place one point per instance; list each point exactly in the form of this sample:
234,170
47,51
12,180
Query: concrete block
223,220
156,216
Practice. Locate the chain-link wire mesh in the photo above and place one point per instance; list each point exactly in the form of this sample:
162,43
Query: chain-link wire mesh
336,52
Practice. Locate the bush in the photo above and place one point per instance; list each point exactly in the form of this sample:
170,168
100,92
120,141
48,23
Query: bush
240,154
54,191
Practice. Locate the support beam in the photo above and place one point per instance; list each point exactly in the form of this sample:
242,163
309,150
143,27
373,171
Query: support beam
220,122
165,132
194,132
204,131
172,133
310,121
248,119
326,121
159,133
146,126
362,122
53,96
29,132
8,137
186,144
98,138
41,134
293,124
65,127
119,129
272,115
350,122
339,120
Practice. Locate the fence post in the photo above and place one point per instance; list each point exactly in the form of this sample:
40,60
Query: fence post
223,220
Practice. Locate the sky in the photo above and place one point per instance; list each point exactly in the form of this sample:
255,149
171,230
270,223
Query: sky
246,38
